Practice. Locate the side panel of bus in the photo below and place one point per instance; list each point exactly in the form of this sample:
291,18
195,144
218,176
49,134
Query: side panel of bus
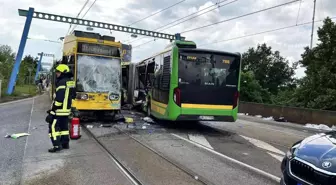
174,110
160,92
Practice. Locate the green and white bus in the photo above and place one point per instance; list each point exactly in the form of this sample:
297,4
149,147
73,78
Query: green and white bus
185,83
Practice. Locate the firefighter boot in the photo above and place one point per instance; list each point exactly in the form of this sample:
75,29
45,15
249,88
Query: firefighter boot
65,146
54,149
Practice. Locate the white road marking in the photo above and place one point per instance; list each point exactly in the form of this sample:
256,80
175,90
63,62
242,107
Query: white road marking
16,101
248,123
278,157
263,145
28,131
261,172
200,139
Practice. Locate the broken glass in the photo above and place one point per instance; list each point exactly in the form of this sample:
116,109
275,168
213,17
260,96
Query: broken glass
98,74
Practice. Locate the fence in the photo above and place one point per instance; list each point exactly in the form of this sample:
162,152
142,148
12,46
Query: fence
291,114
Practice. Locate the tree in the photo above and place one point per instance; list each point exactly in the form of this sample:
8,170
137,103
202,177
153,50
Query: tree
318,89
24,76
7,57
251,90
270,69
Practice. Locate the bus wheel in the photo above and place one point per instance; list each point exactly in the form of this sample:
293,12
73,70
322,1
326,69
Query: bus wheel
148,110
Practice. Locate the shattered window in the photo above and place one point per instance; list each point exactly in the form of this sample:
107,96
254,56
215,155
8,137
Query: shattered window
98,74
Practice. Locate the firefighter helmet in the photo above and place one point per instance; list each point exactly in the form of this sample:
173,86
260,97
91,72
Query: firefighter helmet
62,68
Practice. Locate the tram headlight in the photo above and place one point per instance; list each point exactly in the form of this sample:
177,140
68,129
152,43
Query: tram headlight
113,97
82,96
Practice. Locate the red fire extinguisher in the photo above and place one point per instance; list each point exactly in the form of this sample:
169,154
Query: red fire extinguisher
75,129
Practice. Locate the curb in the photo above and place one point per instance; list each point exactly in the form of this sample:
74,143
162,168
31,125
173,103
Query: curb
18,101
281,124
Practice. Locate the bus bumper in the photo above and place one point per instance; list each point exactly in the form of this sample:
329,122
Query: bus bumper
205,118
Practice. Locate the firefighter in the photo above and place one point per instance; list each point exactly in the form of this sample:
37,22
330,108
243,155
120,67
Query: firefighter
58,116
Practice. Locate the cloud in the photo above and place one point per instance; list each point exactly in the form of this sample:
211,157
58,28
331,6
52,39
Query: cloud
290,42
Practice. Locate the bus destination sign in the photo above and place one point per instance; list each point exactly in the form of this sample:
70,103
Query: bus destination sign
98,49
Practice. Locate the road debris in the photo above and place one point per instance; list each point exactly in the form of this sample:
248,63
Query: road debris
89,126
130,126
127,107
15,136
320,127
128,120
269,118
148,119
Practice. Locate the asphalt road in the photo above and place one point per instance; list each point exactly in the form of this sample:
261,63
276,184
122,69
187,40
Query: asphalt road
257,143
14,118
207,150
84,163
171,140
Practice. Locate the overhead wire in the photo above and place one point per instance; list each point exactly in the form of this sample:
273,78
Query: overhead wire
30,38
244,15
201,14
253,34
298,14
143,43
84,14
156,13
263,32
237,17
80,11
172,22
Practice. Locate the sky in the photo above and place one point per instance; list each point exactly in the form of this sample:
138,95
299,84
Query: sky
290,42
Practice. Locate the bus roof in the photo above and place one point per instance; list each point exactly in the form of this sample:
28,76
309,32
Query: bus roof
212,51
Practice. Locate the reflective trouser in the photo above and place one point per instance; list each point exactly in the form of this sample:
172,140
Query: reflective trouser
59,131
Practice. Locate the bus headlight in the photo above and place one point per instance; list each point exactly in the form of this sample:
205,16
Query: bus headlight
113,97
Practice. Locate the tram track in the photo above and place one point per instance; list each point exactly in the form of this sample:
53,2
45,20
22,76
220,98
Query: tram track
176,164
128,172
122,168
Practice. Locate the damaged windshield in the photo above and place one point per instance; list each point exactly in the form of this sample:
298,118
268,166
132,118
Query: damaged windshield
98,74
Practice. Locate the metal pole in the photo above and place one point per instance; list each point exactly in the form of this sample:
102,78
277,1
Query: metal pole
312,33
38,66
22,45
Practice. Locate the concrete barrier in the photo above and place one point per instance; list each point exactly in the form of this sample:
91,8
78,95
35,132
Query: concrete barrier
291,114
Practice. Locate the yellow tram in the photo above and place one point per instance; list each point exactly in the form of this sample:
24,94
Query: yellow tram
95,61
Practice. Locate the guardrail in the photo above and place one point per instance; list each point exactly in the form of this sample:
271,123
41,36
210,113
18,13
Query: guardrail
291,114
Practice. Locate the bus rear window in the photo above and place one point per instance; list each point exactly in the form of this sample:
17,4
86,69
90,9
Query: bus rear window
203,68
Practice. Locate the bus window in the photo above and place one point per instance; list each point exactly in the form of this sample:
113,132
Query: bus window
206,77
206,69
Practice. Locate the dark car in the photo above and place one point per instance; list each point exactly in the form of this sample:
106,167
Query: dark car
311,161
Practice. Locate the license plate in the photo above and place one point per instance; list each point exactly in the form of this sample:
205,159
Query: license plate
206,117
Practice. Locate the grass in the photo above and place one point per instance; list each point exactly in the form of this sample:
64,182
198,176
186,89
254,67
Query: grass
20,92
